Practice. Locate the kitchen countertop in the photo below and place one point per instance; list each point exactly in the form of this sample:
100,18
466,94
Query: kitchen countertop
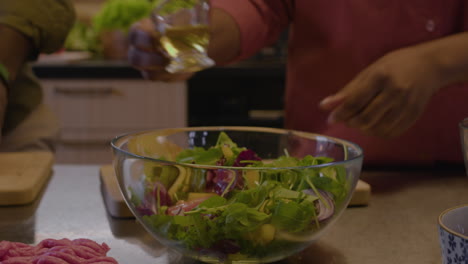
398,226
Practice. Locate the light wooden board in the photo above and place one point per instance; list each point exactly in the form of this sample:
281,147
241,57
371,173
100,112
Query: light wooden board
23,175
112,196
361,195
117,207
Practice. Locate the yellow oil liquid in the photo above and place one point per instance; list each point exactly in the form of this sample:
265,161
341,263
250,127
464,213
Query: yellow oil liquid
187,46
187,39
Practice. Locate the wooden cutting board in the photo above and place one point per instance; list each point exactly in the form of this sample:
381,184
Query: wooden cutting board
111,194
361,195
23,175
117,207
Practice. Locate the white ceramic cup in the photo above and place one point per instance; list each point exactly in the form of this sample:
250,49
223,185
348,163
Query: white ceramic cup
453,234
464,141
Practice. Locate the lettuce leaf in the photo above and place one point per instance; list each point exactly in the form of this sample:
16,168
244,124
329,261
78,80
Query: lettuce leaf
292,216
199,155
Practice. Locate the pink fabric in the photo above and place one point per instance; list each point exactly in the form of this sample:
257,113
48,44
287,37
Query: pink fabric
332,41
51,251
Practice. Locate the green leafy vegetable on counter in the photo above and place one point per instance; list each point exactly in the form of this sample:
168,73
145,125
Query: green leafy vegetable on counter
171,6
114,15
121,14
81,38
117,16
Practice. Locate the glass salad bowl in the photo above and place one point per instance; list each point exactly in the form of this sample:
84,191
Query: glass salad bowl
236,194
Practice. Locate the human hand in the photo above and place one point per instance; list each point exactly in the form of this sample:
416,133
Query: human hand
145,54
386,98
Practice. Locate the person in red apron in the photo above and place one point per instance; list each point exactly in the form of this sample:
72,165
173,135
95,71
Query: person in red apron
387,75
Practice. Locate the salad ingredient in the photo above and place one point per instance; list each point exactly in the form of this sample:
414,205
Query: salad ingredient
193,195
252,178
178,185
326,205
245,206
267,233
185,206
164,174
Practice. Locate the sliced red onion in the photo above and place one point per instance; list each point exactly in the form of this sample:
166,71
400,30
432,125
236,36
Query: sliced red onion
222,181
246,155
154,199
325,211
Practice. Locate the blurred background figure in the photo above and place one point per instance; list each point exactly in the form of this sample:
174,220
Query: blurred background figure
27,28
387,75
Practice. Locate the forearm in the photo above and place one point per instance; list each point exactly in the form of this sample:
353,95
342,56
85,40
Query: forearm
225,37
14,50
449,55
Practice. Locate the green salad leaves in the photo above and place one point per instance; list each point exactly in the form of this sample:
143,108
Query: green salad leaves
242,212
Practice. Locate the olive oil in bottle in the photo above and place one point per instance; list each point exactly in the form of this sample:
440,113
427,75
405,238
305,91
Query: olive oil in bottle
187,47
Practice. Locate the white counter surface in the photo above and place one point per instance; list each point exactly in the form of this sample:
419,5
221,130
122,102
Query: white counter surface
399,225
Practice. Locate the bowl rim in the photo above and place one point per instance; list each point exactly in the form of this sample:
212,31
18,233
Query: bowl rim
239,128
446,228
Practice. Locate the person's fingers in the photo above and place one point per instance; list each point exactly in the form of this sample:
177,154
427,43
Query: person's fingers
403,119
372,115
350,107
143,36
143,60
331,102
356,96
392,126
398,119
145,53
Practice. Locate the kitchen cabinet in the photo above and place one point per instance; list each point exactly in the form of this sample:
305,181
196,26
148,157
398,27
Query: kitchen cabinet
93,111
97,100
